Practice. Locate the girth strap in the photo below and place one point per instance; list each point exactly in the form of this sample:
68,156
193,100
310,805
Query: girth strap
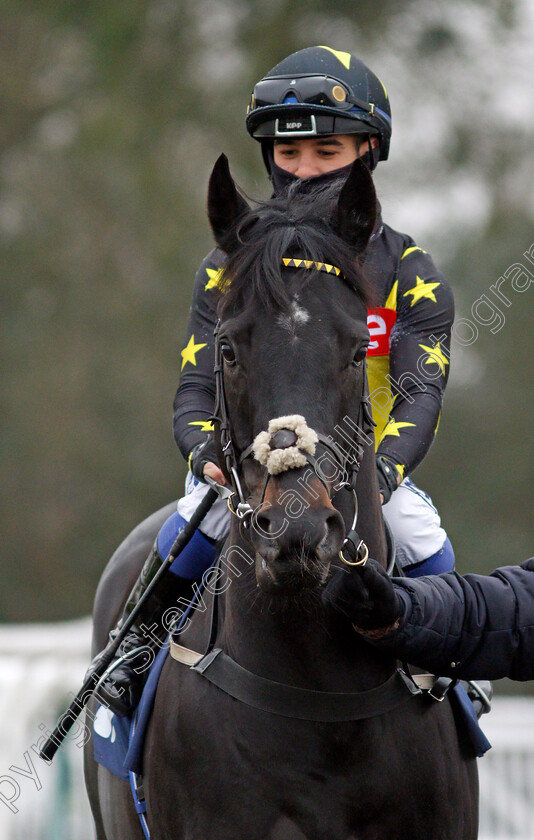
292,701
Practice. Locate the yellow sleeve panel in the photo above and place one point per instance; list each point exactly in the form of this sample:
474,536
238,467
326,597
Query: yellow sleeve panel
380,393
391,301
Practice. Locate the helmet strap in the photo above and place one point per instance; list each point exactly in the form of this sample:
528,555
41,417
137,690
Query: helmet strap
372,156
267,146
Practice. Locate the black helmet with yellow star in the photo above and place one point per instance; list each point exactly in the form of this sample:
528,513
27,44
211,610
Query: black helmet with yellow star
318,91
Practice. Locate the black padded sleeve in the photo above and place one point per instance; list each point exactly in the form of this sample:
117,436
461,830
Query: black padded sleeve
419,359
470,627
195,397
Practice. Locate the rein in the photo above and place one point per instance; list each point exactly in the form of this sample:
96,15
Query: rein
348,462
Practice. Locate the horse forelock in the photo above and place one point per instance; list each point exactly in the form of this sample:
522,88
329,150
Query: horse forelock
297,224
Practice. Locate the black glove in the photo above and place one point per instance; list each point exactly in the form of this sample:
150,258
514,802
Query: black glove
200,455
365,596
387,476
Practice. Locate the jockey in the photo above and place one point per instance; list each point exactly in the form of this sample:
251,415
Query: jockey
314,114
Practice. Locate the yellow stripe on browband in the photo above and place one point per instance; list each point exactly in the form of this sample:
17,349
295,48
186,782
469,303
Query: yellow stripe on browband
292,262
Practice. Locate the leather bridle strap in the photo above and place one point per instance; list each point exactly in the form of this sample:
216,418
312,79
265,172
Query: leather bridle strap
338,457
221,418
348,462
290,700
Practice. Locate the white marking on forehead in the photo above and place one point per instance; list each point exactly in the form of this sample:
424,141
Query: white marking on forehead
297,316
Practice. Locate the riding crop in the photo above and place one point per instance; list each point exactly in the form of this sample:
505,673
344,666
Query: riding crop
94,675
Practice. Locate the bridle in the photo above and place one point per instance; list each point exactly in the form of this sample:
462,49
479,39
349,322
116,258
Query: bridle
347,460
215,664
221,669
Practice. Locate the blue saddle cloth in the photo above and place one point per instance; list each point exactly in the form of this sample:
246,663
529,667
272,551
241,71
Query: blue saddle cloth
469,721
118,741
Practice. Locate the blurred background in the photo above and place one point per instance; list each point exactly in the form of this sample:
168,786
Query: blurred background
111,117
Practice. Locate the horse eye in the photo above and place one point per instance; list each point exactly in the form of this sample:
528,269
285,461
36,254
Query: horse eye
359,356
228,354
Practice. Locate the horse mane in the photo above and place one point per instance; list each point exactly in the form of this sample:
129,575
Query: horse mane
295,224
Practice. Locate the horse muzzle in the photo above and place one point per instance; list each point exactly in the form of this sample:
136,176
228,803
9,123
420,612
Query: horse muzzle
295,553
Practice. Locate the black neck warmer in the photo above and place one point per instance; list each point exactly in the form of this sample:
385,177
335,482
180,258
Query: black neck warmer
281,179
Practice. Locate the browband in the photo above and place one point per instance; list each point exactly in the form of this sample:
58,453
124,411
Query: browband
295,262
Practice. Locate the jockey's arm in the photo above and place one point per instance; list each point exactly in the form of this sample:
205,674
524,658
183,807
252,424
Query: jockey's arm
419,361
195,398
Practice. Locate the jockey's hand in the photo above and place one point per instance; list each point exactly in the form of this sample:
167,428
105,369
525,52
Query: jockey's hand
214,472
366,596
202,461
389,477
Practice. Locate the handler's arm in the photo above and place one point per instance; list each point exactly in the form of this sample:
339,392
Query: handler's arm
473,627
470,627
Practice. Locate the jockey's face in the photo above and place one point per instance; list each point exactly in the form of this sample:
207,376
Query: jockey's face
316,155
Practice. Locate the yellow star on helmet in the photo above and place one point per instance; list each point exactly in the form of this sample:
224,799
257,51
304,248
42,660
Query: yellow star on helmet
422,290
216,278
205,425
392,428
436,356
188,353
343,57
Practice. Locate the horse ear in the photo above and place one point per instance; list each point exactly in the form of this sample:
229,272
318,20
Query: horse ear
356,209
225,205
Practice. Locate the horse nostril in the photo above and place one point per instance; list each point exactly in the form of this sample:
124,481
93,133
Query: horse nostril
333,529
332,521
263,524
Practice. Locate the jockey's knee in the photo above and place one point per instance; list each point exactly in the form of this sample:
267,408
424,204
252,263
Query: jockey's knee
197,556
439,562
199,553
422,545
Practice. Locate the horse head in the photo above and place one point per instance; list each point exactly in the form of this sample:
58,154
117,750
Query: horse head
291,345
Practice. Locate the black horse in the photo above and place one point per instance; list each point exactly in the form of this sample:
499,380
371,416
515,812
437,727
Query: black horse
287,764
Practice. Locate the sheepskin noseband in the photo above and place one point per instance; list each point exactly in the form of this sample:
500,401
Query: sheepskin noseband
284,445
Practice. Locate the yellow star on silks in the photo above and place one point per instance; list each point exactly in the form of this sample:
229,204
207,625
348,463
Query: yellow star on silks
188,353
422,290
205,425
436,356
216,278
411,250
401,468
392,428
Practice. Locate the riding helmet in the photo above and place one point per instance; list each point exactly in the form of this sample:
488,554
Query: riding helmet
320,91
